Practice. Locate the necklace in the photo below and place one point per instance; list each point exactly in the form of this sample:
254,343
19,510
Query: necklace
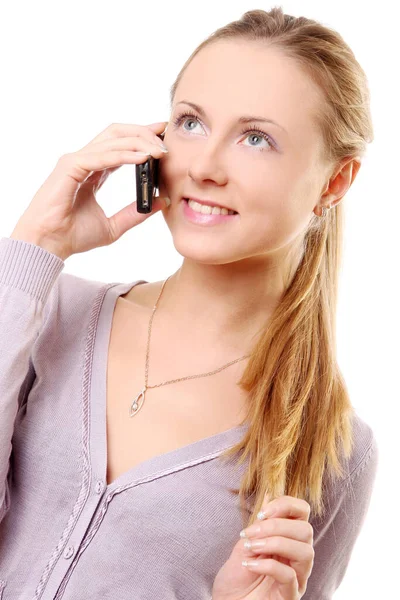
139,399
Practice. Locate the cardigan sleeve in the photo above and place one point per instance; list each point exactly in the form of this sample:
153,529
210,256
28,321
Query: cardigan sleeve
336,534
27,276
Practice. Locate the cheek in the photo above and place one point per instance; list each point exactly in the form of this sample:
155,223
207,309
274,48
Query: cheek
267,196
273,210
264,175
279,192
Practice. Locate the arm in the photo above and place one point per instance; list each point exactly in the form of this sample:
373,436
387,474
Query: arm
27,275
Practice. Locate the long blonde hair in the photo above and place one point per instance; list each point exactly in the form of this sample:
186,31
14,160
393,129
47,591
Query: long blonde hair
300,414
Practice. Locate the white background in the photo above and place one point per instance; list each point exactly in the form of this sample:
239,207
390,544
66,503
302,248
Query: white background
69,69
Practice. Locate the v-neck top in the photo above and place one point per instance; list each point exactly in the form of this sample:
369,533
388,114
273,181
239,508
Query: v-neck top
162,529
208,447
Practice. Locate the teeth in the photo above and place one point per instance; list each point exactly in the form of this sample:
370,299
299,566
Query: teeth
209,210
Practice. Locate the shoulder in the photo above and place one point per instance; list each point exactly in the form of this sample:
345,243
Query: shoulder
74,300
365,452
143,295
359,474
68,309
80,291
72,294
364,456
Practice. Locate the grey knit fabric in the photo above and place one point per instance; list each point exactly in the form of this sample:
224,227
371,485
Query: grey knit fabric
160,531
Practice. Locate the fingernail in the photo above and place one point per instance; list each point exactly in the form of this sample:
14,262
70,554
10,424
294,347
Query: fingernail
250,563
161,147
252,530
158,141
254,544
268,511
167,201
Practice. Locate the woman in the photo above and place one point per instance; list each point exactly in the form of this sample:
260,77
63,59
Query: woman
269,121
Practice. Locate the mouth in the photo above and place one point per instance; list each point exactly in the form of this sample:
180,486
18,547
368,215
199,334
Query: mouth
211,204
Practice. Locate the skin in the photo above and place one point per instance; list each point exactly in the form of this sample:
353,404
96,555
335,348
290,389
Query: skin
279,567
233,275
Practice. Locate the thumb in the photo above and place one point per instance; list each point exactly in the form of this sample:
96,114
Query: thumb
128,217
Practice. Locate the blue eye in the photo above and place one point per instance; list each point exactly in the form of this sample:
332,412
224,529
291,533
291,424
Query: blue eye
184,116
254,130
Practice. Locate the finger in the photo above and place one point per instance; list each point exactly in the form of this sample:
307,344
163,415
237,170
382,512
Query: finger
149,132
134,150
82,166
299,555
158,128
299,530
98,178
286,506
134,144
297,552
283,574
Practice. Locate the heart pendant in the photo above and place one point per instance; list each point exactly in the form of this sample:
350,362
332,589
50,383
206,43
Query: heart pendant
137,403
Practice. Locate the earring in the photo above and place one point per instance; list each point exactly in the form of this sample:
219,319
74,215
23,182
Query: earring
324,210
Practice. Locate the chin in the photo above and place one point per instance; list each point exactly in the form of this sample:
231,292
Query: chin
194,249
206,245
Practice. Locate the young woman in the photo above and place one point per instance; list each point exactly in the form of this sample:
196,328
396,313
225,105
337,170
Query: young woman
144,424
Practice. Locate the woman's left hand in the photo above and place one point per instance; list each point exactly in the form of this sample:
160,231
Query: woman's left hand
285,557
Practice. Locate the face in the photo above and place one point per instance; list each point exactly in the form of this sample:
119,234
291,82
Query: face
269,173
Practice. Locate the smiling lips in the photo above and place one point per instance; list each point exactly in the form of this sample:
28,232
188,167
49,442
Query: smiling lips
209,203
213,216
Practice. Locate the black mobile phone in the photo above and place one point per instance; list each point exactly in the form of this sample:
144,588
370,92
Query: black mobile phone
147,182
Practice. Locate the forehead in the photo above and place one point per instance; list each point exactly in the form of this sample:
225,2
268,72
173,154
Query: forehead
231,78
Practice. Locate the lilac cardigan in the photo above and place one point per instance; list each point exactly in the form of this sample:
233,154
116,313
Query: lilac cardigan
163,529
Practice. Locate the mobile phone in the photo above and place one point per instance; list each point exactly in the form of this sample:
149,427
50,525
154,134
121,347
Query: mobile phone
147,182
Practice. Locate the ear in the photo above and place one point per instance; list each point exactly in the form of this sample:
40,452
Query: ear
341,181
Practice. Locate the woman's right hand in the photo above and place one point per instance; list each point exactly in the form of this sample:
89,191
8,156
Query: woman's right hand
64,216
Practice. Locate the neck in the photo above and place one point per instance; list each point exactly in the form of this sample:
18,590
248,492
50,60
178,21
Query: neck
228,304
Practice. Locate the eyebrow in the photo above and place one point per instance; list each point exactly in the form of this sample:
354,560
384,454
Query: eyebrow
244,119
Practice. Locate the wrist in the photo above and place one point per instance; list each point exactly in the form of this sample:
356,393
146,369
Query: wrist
32,237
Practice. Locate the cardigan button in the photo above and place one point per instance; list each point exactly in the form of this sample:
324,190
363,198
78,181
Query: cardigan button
68,552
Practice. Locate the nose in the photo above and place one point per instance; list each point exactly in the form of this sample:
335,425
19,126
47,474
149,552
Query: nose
207,164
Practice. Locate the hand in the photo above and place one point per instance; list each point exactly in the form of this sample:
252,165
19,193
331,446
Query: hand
285,560
64,216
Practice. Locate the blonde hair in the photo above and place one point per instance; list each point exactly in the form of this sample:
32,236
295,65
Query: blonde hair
300,414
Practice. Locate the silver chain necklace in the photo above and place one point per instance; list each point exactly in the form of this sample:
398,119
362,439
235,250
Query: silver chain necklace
139,399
